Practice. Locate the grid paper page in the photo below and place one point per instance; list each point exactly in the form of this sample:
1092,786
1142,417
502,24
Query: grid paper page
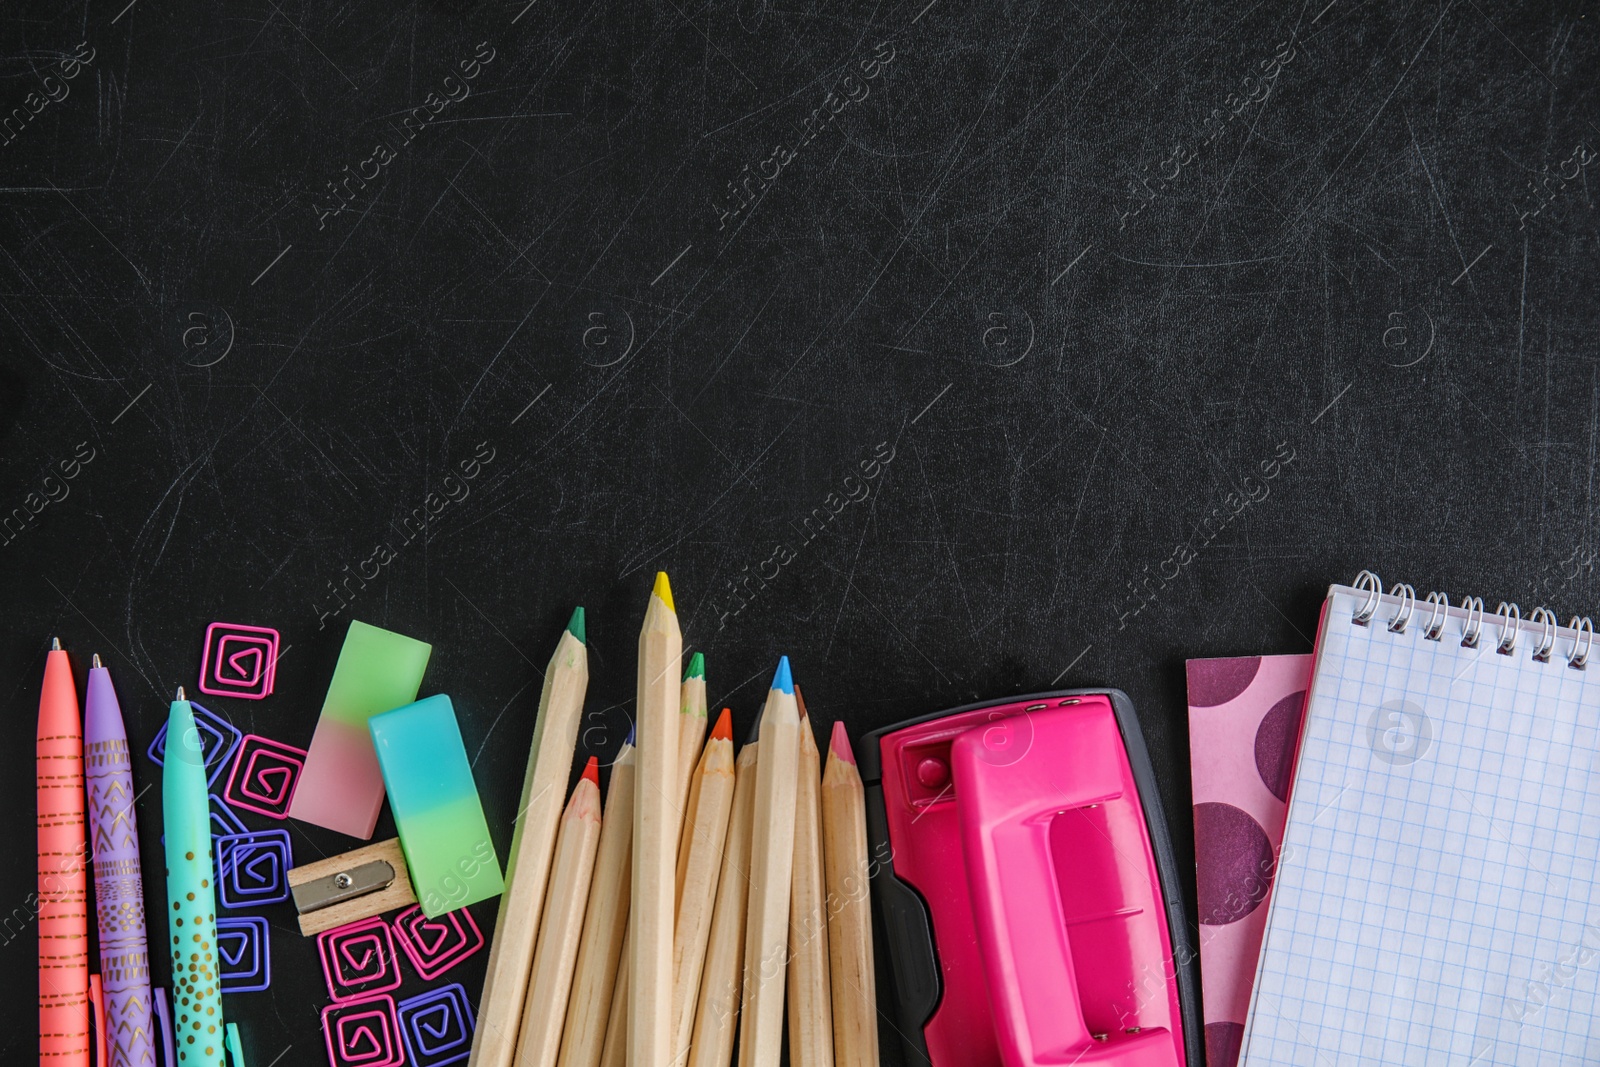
1436,898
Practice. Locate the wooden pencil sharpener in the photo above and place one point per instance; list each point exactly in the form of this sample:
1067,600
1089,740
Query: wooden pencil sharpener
355,885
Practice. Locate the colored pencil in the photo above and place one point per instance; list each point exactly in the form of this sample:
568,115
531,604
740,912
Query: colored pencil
191,893
691,737
844,827
63,900
118,883
810,998
544,784
692,723
706,831
605,923
545,1011
614,1052
771,866
716,1013
655,832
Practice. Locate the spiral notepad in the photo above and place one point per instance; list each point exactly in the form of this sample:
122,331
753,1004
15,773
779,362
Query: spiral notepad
1437,896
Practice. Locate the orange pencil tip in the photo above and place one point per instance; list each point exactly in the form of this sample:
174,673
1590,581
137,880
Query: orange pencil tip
839,743
591,771
723,731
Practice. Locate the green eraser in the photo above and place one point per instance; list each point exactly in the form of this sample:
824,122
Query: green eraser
340,786
436,808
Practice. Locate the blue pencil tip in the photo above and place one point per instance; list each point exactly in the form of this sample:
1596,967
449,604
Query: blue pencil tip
629,741
783,680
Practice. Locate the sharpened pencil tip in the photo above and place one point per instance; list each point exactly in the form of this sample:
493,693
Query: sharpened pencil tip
663,590
696,668
575,625
783,681
800,702
839,743
630,740
180,695
55,644
591,771
755,727
94,661
723,731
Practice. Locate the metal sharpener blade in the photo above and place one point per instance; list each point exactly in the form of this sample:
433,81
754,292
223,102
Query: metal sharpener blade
342,885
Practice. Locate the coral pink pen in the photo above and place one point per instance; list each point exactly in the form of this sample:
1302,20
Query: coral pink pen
63,904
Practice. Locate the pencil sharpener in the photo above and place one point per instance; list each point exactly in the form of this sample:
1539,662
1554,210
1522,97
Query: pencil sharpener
1028,904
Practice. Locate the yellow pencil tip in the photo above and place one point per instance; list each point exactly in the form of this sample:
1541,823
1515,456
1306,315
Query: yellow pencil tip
663,590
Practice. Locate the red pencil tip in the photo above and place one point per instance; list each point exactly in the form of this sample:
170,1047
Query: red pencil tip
591,771
839,743
723,731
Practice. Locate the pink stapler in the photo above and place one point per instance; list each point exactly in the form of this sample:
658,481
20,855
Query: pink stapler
1026,889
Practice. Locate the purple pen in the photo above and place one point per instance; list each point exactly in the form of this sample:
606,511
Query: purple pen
118,887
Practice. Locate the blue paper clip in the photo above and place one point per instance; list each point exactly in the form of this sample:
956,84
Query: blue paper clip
437,1026
253,868
218,739
244,955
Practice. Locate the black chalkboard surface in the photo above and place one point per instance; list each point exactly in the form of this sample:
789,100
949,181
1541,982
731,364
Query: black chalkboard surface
1069,279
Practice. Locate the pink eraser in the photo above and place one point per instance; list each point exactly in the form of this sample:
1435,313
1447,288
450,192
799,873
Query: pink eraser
341,786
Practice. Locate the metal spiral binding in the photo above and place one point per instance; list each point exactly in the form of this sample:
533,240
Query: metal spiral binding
1508,621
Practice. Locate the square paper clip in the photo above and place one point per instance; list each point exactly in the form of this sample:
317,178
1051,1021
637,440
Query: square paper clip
243,952
239,661
363,1033
253,868
264,776
437,1026
436,945
218,739
359,959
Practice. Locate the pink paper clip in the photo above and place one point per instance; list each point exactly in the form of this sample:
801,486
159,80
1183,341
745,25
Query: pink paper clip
358,960
239,661
435,945
363,1033
264,775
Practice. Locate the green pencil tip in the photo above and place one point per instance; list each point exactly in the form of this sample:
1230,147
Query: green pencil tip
696,668
575,626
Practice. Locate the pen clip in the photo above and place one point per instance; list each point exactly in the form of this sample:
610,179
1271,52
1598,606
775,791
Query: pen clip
164,1021
234,1045
98,999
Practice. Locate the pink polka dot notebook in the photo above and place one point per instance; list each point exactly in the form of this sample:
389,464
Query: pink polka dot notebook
1244,719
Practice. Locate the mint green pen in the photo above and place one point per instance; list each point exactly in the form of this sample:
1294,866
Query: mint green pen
191,899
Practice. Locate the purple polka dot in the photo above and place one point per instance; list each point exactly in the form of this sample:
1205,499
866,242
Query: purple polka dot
1276,738
1217,681
1234,863
1223,1041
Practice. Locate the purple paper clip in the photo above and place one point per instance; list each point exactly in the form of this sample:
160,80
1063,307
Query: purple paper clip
223,823
243,952
253,868
239,661
436,945
223,820
437,1026
164,1020
358,959
264,776
363,1033
218,739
